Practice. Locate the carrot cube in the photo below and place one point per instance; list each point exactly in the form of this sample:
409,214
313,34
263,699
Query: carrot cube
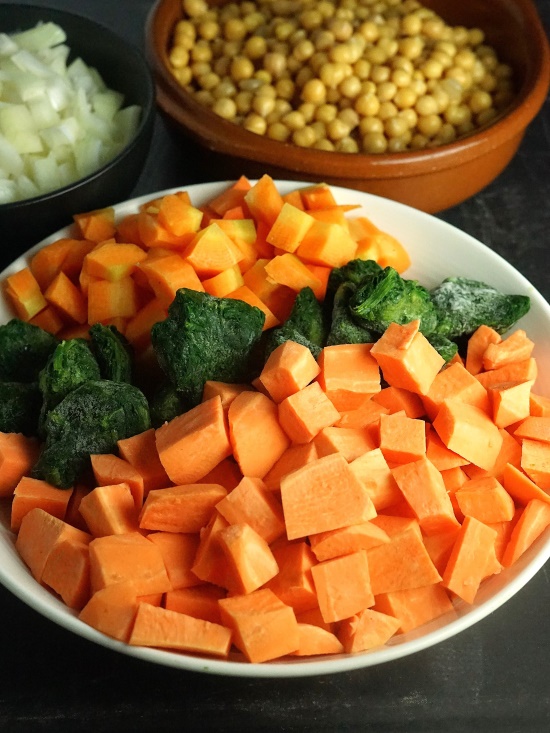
468,431
67,572
485,499
185,508
48,261
129,559
406,358
289,228
110,510
108,300
323,495
289,368
18,454
366,630
166,275
415,606
373,472
327,244
264,628
25,294
250,559
113,260
178,551
30,493
67,299
250,502
97,225
178,216
317,196
304,414
252,414
211,251
293,584
192,444
402,439
245,294
49,320
264,200
224,282
468,560
424,489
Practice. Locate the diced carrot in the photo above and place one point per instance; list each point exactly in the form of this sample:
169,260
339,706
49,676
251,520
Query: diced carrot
366,630
519,371
129,559
252,414
200,433
198,601
31,493
396,399
539,405
343,586
152,234
67,572
108,300
350,442
224,282
535,461
110,510
477,344
110,469
49,320
327,244
415,606
245,294
337,542
534,519
373,472
289,228
288,269
294,457
257,280
128,229
178,551
18,454
76,256
485,499
178,216
455,382
323,495
401,563
185,508
520,487
114,260
264,628
402,438
314,640
467,562
47,261
406,358
97,225
250,502
211,564
468,431
211,251
66,298
317,196
39,533
230,197
293,584
140,452
264,200
424,489
510,403
294,197
251,561
289,368
516,347
304,414
164,629
138,328
112,611
166,275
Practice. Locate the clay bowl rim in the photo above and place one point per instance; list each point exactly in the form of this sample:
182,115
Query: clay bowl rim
226,137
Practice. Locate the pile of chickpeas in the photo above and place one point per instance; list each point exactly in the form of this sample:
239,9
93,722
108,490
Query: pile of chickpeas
354,76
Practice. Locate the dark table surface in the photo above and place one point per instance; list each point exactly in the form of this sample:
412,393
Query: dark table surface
493,677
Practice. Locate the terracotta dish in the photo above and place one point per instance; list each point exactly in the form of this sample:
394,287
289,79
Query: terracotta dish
430,180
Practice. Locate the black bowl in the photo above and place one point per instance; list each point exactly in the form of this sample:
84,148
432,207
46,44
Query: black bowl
123,68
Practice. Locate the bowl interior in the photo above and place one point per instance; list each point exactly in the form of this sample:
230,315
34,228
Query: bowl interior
438,250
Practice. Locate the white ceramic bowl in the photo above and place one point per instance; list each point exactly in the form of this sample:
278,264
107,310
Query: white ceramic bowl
438,250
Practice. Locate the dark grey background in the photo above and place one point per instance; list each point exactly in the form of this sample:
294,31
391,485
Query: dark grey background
492,678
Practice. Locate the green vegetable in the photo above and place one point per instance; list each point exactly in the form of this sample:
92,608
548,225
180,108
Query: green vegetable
20,404
113,353
71,364
24,351
164,405
354,272
444,346
90,419
204,338
462,305
305,325
386,297
344,327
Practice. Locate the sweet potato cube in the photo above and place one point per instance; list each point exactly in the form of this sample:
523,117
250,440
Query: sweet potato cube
30,493
485,499
402,438
294,457
343,586
315,640
250,559
373,472
111,469
199,601
467,563
350,442
112,611
110,510
510,403
264,628
406,358
140,451
337,542
532,522
67,572
293,584
455,382
415,606
366,630
185,508
535,461
18,454
250,502
515,347
305,413
289,368
178,551
211,564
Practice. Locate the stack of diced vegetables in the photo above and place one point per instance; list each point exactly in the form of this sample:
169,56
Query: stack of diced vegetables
326,507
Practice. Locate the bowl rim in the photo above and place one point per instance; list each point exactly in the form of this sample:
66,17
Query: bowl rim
433,633
147,114
226,137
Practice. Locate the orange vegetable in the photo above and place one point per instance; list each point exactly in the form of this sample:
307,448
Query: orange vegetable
294,457
252,414
140,452
305,413
178,216
485,499
415,606
184,508
107,300
226,392
263,627
402,439
455,382
323,495
97,225
289,228
110,469
348,368
520,487
438,453
343,586
516,347
198,601
531,524
264,200
327,244
344,541
113,261
67,572
210,563
315,640
178,552
477,344
226,473
349,442
18,454
518,371
373,472
244,293
288,369
293,584
534,428
49,320
24,293
366,630
535,461
230,197
211,251
48,261
250,502
224,282
251,561
110,510
396,399
112,611
288,269
192,444
166,275
31,493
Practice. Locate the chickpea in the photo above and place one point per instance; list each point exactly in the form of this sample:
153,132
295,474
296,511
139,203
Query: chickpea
225,108
255,123
374,142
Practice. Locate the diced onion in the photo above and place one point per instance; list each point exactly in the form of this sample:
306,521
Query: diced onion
59,121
